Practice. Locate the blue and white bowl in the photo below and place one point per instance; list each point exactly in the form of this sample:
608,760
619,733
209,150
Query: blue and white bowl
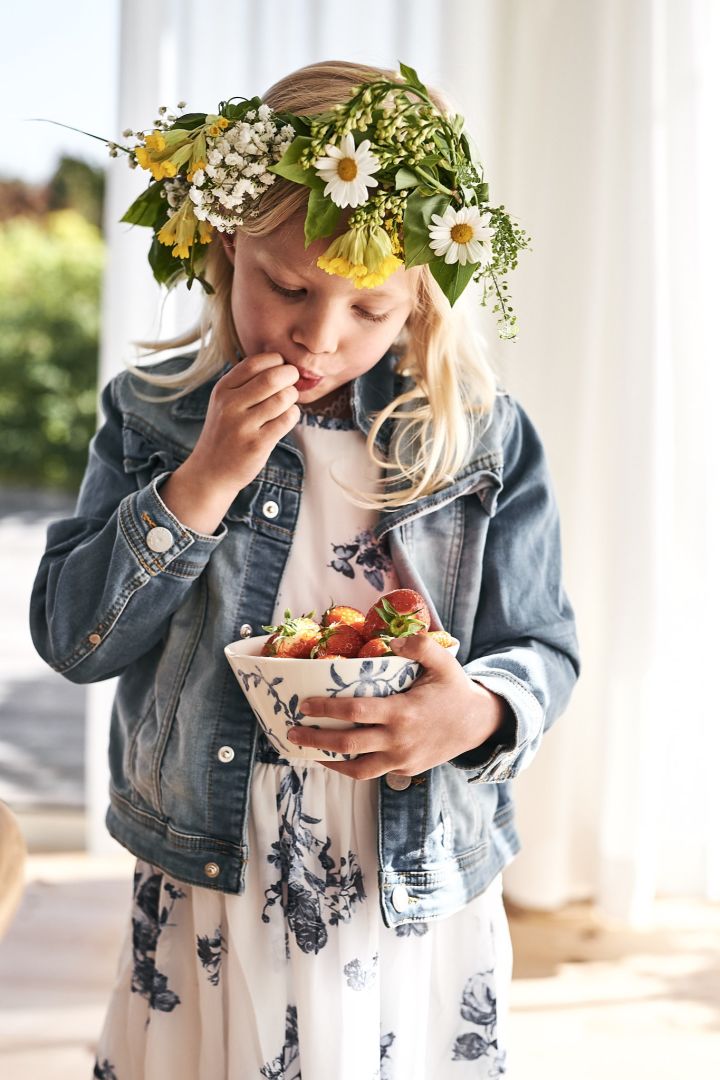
275,687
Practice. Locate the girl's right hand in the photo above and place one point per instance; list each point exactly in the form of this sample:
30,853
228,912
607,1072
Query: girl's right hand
251,407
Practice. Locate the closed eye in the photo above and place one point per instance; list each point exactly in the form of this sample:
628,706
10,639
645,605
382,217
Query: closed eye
295,294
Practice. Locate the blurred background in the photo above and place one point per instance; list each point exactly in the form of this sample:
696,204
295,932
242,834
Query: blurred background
597,124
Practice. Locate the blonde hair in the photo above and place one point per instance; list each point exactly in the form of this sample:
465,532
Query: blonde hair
437,420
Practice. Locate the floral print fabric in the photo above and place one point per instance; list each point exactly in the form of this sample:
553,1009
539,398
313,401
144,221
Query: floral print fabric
334,555
298,977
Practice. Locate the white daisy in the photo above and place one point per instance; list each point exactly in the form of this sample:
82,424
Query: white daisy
460,236
348,171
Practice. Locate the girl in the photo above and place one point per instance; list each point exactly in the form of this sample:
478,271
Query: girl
337,433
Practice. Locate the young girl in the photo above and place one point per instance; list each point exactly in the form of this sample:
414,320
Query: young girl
337,434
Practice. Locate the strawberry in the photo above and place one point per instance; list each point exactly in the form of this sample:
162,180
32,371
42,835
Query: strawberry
443,638
377,646
268,648
341,613
295,638
398,614
338,639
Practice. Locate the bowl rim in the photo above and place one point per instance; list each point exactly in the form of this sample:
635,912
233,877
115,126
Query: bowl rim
316,660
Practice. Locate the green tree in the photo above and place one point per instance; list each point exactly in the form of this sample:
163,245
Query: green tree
50,279
75,185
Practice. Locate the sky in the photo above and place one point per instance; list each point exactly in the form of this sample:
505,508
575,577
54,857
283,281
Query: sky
61,65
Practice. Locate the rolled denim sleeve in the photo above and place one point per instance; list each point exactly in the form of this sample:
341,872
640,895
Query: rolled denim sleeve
113,574
524,644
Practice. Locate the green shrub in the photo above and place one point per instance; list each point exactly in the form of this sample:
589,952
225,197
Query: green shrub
50,279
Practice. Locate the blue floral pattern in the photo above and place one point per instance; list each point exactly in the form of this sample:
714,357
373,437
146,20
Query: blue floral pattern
412,929
314,891
360,976
286,1066
209,952
104,1071
372,555
479,1007
149,919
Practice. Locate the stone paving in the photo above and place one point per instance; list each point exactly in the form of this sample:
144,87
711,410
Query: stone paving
41,714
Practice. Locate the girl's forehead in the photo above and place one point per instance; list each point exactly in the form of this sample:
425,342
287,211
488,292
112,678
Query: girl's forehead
284,249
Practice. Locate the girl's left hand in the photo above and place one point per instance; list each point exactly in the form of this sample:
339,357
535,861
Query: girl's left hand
442,715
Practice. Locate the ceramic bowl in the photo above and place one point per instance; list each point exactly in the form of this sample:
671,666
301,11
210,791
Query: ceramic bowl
275,687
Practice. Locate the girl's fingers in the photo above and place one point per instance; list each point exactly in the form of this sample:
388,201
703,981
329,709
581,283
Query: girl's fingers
369,710
246,370
272,407
261,387
275,429
370,740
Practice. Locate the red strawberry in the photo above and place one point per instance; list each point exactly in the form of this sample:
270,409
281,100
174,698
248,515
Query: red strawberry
341,613
295,638
398,613
339,639
268,648
377,646
443,638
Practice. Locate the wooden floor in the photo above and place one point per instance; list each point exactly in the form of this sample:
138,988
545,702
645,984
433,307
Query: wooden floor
590,1001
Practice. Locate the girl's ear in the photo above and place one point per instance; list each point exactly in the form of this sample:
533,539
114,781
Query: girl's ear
228,242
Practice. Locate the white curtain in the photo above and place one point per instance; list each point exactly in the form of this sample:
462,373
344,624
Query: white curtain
600,124
597,122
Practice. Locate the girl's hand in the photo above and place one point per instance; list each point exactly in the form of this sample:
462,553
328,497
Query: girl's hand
251,407
442,715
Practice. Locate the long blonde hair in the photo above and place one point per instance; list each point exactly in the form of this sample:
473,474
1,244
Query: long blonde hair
438,419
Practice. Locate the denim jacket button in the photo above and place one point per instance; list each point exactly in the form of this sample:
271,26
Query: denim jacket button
94,639
226,754
397,782
270,509
245,630
211,869
400,898
159,539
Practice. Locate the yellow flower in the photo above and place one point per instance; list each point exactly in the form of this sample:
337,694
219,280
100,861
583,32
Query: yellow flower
155,141
370,280
179,230
205,231
159,169
222,122
214,130
363,255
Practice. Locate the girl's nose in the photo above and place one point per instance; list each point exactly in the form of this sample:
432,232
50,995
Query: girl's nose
316,329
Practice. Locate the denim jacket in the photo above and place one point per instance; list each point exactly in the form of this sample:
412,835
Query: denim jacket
484,551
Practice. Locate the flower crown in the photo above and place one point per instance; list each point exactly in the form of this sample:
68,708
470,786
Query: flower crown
406,170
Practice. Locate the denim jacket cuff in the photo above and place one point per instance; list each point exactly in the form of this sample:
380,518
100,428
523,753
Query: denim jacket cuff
158,540
501,756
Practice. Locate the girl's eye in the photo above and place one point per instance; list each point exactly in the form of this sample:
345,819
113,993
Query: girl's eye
294,293
284,292
368,315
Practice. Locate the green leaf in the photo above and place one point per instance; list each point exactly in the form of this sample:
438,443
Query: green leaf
146,208
190,121
416,226
289,168
411,77
405,178
452,279
322,217
165,267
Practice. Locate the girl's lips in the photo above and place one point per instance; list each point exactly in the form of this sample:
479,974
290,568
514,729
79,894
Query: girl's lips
307,380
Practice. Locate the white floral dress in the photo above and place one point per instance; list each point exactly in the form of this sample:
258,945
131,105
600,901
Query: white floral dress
298,978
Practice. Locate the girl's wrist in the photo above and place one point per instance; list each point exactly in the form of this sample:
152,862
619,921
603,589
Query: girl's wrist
199,505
